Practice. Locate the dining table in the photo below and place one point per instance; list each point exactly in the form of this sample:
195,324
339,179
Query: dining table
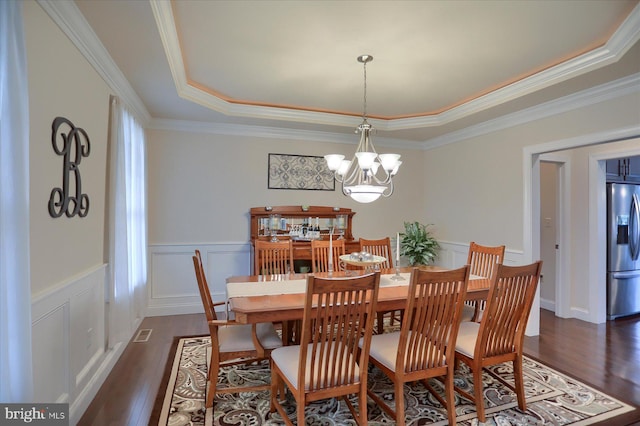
281,297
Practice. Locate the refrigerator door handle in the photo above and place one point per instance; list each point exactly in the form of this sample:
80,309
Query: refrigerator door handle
626,275
634,227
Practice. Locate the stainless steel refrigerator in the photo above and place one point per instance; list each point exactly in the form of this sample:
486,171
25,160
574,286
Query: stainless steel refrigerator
623,249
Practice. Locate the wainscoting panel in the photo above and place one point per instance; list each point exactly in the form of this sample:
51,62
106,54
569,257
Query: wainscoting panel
68,338
87,331
454,255
172,282
50,352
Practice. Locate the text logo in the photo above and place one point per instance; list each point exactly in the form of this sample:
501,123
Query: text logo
37,414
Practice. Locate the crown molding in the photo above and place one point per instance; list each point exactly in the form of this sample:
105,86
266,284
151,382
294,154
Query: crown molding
594,95
73,24
625,36
271,133
71,21
608,91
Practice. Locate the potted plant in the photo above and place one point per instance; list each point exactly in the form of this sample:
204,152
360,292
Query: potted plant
418,245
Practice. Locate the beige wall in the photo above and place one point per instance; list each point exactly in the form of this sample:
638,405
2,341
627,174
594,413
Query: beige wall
62,83
200,193
201,187
474,188
488,206
70,359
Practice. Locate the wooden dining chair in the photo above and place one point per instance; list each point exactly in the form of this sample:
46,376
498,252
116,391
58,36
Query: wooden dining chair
381,247
320,255
231,343
424,346
482,260
272,258
499,336
328,363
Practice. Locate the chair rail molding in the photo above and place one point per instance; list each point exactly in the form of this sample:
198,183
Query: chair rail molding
173,288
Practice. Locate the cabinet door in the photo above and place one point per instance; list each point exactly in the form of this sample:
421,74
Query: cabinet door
634,167
623,169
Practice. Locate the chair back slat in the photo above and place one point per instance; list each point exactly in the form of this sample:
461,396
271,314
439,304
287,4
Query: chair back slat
273,257
483,259
320,255
203,287
338,313
509,302
381,247
432,316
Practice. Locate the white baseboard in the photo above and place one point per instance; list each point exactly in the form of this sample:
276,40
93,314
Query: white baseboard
549,305
84,398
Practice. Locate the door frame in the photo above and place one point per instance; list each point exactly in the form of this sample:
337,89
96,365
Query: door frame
563,274
597,206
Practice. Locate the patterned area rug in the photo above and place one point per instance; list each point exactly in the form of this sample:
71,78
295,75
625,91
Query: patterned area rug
552,398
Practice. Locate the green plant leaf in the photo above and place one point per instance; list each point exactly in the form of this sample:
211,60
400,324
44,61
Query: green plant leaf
417,244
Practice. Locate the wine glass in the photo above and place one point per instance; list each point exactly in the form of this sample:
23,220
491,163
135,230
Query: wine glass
341,224
274,225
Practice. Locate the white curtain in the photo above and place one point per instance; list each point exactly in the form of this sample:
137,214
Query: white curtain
16,375
127,223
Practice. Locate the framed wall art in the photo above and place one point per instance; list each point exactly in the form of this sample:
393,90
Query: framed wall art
307,172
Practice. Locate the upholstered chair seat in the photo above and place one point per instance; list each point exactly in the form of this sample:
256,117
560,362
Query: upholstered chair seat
288,357
237,338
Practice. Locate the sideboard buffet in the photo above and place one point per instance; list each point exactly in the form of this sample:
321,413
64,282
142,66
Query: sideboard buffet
301,224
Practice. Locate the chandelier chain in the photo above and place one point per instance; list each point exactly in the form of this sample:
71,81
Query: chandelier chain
364,114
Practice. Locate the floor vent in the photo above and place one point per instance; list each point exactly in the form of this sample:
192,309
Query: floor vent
143,335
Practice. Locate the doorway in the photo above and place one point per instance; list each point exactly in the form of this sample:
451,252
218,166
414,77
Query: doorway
548,233
602,146
554,181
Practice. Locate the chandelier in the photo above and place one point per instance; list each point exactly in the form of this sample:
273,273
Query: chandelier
371,176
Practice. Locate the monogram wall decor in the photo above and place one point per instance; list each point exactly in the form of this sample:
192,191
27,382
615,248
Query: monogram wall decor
72,146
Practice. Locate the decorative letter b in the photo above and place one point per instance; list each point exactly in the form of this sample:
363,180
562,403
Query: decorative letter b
75,145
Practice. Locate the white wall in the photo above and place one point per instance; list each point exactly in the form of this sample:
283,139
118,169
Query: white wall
68,273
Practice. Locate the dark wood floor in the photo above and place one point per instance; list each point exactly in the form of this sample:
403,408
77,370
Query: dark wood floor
605,356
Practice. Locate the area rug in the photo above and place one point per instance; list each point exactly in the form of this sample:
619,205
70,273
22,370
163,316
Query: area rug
552,398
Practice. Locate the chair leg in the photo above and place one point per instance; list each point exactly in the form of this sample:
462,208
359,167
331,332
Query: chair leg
478,394
519,382
399,389
476,312
286,333
449,396
301,418
274,389
380,324
362,405
214,368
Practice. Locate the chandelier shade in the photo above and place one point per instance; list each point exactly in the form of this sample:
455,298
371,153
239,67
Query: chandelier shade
368,175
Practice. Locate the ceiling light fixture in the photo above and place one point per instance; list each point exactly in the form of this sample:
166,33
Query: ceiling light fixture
360,179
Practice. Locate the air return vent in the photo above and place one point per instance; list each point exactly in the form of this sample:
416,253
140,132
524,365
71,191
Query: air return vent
143,335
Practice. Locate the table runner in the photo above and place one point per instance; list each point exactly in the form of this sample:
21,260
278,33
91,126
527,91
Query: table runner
280,285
